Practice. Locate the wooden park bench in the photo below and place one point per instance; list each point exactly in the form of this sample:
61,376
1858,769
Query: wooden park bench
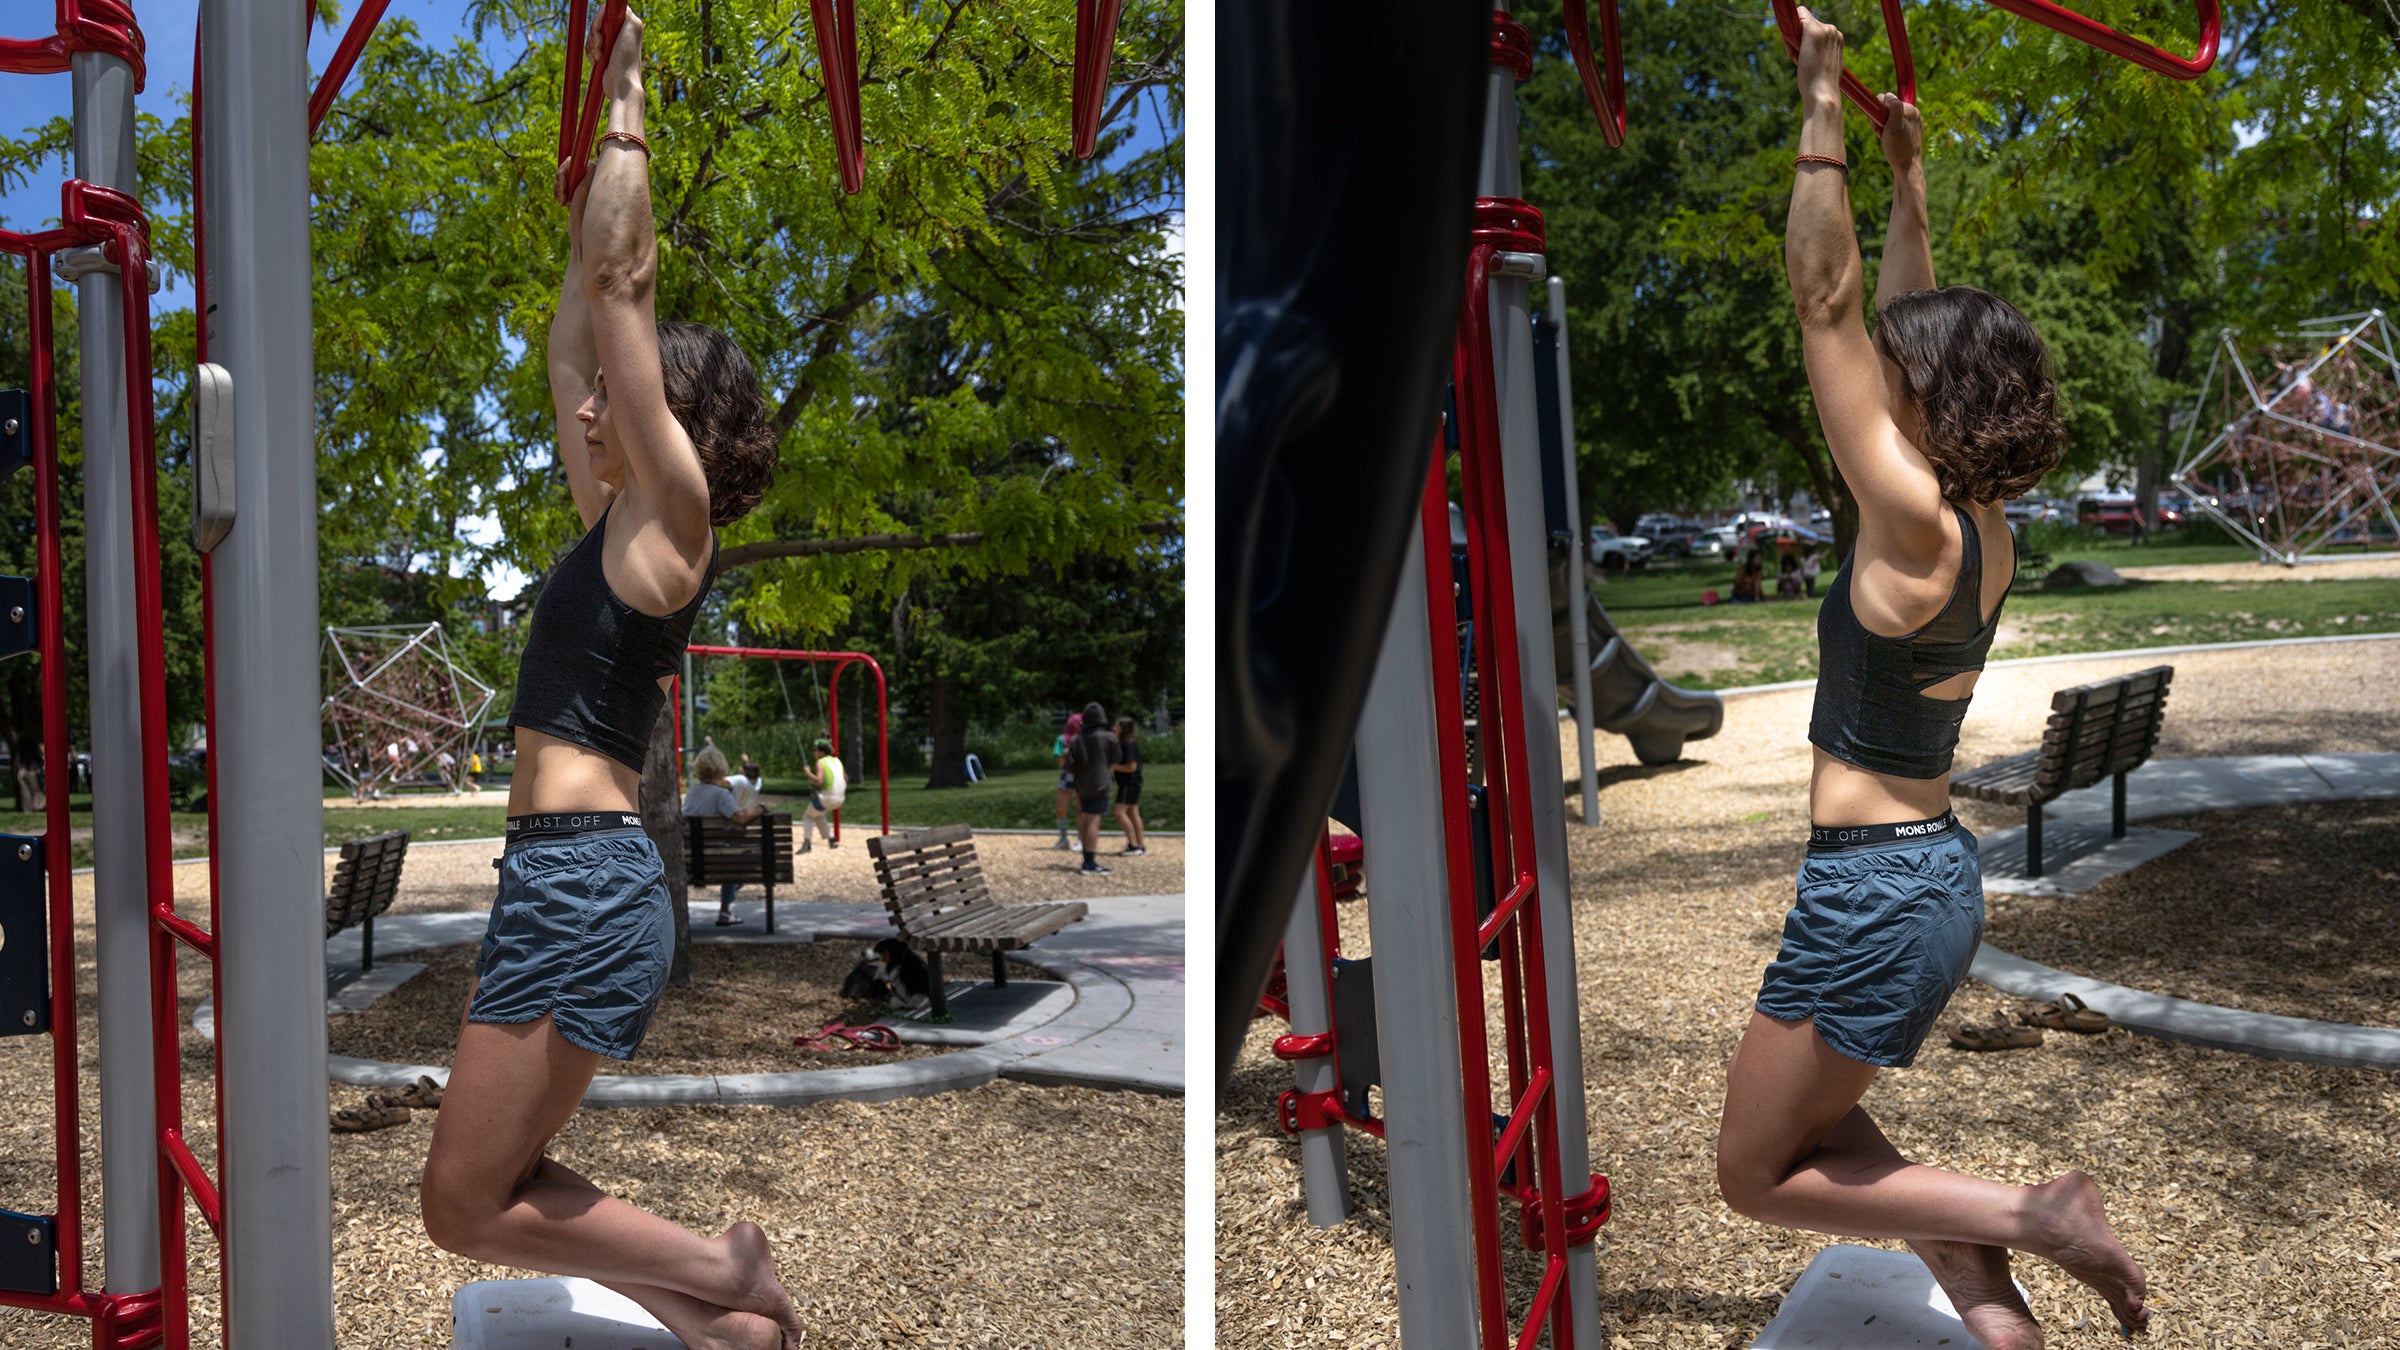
365,883
933,886
754,852
2095,730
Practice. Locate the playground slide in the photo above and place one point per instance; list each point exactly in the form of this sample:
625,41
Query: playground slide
1628,698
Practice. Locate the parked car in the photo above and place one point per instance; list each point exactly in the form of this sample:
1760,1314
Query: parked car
2112,513
1618,552
1673,538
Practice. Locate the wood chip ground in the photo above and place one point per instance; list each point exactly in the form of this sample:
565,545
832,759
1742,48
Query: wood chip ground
1007,1216
2262,1196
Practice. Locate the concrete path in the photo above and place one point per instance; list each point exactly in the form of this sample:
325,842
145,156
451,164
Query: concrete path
1117,1023
1861,1298
2179,787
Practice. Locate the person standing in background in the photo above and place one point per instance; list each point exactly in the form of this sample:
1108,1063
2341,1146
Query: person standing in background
713,794
1066,780
1129,786
1091,765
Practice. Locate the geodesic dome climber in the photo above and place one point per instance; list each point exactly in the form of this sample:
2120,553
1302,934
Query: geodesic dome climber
396,703
2309,455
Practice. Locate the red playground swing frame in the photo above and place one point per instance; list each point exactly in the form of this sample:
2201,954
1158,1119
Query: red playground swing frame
833,701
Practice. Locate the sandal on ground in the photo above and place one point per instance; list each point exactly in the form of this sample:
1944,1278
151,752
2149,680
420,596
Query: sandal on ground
727,921
424,1093
377,1114
2067,1013
1998,1036
836,1036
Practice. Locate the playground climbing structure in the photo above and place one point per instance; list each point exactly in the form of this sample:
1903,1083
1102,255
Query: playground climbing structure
2308,455
396,702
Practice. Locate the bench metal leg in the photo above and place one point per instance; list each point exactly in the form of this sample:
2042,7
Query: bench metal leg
770,906
366,944
2033,840
999,971
2116,814
941,993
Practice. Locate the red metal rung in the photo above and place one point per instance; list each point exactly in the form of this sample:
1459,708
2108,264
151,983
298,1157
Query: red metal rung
191,934
2060,19
345,56
1506,911
1095,53
204,1191
577,122
1904,67
835,23
1603,86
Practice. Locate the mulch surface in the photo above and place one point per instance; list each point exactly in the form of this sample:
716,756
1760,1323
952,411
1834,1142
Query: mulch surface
1006,1216
2288,910
2261,1195
738,1015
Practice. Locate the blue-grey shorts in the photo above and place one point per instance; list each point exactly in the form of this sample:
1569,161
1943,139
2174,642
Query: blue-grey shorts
582,930
1881,936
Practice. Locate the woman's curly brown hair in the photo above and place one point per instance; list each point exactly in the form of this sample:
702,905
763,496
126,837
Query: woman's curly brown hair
1979,378
713,392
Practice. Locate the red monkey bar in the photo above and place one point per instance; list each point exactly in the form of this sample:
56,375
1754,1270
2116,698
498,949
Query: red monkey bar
1904,66
2074,25
575,128
1095,49
842,661
1603,86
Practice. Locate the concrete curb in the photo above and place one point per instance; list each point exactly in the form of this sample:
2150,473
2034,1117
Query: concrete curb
2176,787
2122,653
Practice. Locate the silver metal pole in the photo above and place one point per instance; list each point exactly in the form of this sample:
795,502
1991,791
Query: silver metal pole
1416,997
1521,460
1324,1154
1579,624
270,814
128,1113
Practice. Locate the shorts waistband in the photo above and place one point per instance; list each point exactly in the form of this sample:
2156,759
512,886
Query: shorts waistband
1836,838
556,823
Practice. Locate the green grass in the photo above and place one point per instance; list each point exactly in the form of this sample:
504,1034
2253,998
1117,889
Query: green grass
1725,646
1018,799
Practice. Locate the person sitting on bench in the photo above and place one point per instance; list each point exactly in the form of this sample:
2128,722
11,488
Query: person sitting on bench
710,796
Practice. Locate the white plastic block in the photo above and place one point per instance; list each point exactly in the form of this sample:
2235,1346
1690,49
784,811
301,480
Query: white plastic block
1865,1298
552,1314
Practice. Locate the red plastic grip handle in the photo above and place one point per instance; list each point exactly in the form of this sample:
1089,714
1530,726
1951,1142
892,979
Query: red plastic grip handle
577,122
836,25
1095,52
2107,39
1603,85
1904,67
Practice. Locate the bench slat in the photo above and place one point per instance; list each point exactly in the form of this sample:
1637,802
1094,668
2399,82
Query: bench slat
2095,731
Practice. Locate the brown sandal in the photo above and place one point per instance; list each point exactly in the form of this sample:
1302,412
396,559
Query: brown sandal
377,1114
2067,1013
424,1093
1998,1036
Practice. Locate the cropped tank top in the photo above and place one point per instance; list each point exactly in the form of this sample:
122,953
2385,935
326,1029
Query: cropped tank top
1871,709
590,671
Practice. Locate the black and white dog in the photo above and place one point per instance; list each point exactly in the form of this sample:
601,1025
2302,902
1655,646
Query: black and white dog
891,972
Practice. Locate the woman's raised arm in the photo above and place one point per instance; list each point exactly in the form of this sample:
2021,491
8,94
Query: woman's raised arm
1900,500
621,252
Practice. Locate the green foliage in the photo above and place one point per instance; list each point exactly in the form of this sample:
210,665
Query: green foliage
2127,214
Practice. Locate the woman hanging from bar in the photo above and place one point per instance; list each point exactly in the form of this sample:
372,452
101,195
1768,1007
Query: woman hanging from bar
663,435
1945,413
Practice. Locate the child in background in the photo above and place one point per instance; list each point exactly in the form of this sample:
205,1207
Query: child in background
827,786
1066,780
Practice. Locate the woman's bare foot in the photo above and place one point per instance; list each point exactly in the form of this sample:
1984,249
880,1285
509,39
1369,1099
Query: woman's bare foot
759,1291
2072,1222
702,1325
1976,1278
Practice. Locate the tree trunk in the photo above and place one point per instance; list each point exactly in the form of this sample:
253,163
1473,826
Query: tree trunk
1825,485
32,794
2174,348
662,820
949,734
